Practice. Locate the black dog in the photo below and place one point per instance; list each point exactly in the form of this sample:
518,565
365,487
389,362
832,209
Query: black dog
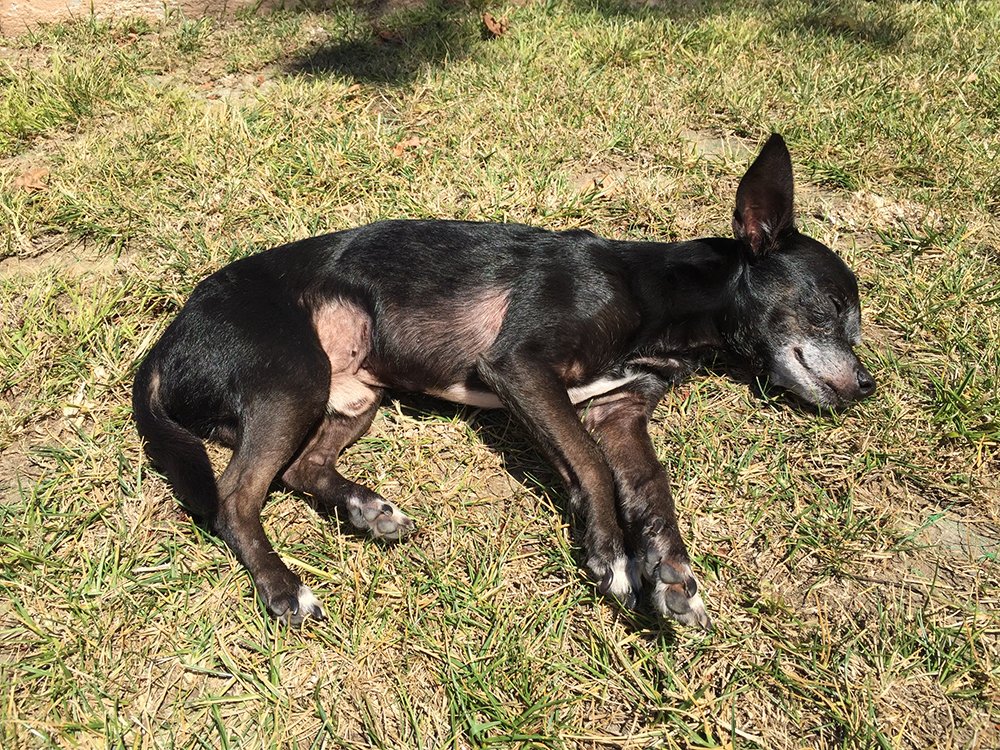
283,356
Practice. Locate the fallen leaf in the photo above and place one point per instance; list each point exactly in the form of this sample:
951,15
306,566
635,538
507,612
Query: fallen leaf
495,26
33,179
596,182
387,35
407,143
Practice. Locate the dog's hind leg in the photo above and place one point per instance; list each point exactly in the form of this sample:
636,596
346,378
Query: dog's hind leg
646,507
314,473
273,428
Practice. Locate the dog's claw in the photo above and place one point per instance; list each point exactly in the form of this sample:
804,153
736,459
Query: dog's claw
605,585
691,587
662,571
676,605
674,587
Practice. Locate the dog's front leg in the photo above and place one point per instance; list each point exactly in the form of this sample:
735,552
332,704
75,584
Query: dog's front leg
620,425
534,394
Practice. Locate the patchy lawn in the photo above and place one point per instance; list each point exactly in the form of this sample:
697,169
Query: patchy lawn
849,562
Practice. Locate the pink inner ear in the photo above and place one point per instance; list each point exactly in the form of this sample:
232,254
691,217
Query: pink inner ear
760,227
758,232
753,231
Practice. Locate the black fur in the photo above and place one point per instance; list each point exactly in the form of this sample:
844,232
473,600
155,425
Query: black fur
283,356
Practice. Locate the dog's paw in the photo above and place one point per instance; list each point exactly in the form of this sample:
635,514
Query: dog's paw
663,562
675,595
617,579
380,517
294,608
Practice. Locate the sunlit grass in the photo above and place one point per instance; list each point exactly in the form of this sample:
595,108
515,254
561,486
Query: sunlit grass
849,561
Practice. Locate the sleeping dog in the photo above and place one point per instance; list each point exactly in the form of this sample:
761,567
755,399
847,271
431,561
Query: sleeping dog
283,356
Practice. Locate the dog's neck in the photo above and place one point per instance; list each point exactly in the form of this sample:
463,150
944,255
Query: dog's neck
687,291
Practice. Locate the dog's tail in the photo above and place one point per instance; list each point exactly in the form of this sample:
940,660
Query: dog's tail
175,451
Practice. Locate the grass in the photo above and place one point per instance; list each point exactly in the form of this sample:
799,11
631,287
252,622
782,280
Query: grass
849,562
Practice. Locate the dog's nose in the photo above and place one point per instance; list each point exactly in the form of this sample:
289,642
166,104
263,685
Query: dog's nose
866,384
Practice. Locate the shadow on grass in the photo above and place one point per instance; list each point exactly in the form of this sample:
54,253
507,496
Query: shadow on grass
498,431
522,461
397,38
876,25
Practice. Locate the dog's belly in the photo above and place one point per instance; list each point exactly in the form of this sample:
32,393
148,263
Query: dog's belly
461,394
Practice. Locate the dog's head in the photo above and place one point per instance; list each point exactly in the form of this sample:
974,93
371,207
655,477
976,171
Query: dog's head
797,311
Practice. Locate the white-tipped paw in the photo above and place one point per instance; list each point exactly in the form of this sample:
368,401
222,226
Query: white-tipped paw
675,595
617,579
296,608
380,517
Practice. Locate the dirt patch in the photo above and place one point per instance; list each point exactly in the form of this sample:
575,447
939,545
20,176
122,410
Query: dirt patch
69,262
961,538
710,145
17,16
14,468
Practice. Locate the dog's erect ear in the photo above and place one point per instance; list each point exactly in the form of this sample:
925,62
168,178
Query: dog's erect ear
764,199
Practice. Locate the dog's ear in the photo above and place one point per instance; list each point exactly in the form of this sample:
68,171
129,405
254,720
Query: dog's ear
764,199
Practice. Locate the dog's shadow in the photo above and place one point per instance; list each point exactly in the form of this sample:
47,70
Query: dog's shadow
502,434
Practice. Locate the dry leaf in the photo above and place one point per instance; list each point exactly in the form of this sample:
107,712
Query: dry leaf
387,35
495,26
596,182
406,143
33,179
